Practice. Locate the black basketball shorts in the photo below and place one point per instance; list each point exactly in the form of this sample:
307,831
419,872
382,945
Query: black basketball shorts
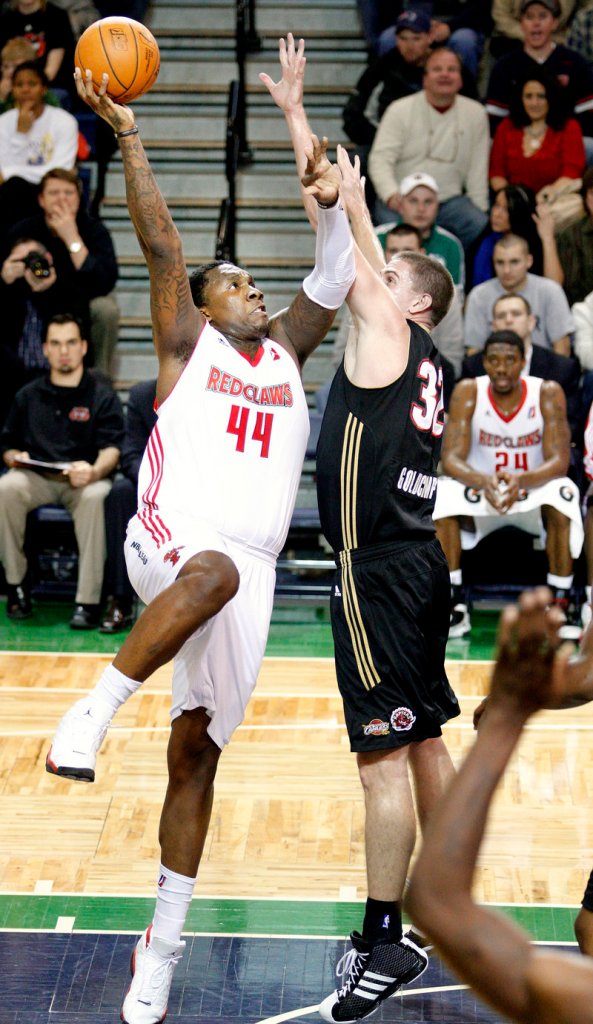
390,609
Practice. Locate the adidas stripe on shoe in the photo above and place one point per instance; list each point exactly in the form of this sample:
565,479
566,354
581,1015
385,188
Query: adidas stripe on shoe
371,974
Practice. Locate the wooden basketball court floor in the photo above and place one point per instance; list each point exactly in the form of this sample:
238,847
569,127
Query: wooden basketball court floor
282,880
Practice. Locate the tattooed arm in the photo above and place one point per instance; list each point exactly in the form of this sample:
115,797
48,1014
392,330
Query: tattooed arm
176,321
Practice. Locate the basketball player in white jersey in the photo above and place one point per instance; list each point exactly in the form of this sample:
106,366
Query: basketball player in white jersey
506,451
216,491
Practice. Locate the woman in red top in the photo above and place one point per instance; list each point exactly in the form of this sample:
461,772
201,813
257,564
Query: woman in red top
538,144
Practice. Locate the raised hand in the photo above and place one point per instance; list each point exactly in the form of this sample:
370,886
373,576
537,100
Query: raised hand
116,114
531,664
321,178
352,188
288,92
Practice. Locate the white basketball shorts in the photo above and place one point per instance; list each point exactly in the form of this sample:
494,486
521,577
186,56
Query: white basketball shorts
218,665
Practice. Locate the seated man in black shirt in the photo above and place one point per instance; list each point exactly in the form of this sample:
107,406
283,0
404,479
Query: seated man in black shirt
70,418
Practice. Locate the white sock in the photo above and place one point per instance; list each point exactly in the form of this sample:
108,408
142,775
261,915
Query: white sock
456,577
174,893
114,688
560,582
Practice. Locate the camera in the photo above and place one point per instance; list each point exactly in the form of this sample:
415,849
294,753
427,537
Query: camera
37,263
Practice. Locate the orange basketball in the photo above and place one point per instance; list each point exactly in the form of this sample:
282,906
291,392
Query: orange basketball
124,49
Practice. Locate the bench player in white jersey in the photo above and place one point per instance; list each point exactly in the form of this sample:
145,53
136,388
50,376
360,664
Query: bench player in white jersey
216,492
506,451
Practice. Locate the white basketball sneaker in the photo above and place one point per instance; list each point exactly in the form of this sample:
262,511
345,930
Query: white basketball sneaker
153,963
77,739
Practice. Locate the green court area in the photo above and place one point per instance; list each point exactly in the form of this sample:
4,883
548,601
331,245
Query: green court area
322,919
297,630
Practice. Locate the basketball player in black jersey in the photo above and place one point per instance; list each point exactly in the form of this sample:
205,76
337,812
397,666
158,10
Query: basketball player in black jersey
377,472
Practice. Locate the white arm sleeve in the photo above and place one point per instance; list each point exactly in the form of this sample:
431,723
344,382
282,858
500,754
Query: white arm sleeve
334,272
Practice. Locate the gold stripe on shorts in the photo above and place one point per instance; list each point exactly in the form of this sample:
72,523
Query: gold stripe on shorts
348,494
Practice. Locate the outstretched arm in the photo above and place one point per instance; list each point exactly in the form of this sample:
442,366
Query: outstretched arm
287,94
302,326
176,320
485,949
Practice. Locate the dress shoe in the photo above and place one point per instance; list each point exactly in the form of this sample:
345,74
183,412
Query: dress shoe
18,601
117,617
86,616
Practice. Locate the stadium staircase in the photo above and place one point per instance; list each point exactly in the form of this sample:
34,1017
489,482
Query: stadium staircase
183,124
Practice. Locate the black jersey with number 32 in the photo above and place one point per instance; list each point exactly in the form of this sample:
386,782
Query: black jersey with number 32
378,453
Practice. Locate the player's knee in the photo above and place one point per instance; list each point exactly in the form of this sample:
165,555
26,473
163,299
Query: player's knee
192,755
213,575
555,519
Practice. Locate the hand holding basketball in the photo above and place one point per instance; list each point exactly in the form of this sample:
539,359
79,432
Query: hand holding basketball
123,49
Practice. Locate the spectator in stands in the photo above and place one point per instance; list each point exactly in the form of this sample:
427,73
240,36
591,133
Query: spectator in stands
376,15
575,249
460,24
580,34
583,334
13,53
539,21
554,324
538,144
512,312
418,205
511,213
83,271
506,452
508,34
47,27
34,138
399,73
69,418
440,133
121,504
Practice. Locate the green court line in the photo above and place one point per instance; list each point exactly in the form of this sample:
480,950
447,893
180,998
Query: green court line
237,917
298,630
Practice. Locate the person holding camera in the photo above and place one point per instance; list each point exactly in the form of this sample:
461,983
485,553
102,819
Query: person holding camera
80,275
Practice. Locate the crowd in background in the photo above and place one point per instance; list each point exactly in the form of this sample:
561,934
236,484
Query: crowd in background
474,126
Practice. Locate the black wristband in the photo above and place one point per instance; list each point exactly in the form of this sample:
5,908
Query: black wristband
327,206
128,131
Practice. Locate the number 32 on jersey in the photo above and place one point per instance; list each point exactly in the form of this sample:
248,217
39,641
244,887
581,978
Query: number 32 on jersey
428,413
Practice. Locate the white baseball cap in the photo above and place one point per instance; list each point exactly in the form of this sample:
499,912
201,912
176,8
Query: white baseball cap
412,181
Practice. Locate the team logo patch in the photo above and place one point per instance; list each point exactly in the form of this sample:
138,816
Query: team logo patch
402,719
80,414
172,556
376,728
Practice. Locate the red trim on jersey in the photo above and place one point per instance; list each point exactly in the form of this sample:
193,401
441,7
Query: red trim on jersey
256,359
507,417
149,516
154,451
156,405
